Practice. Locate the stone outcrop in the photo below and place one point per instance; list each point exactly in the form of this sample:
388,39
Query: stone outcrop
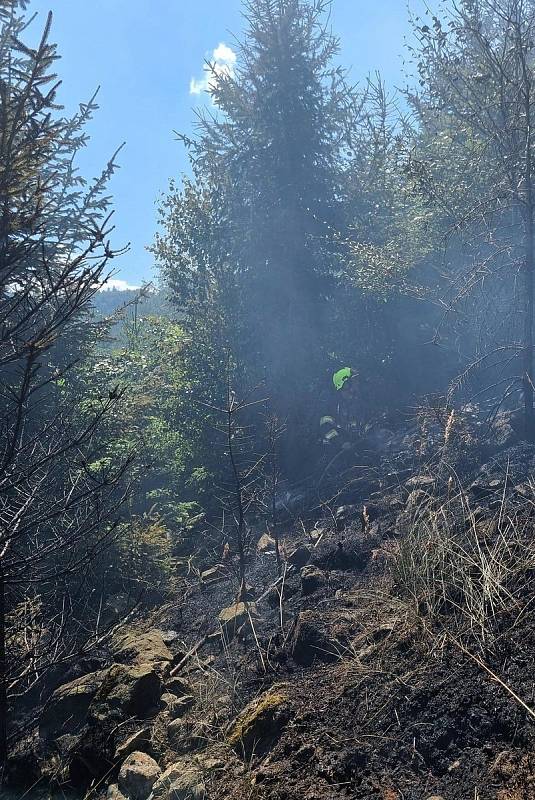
300,556
266,544
178,686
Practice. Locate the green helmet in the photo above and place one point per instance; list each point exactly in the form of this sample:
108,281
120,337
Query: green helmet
341,376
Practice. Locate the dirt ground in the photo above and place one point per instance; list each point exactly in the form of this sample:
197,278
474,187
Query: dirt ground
388,709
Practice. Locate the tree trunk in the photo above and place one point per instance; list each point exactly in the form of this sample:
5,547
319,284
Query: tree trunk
527,381
3,674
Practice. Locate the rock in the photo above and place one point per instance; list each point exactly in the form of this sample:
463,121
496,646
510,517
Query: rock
182,565
260,724
181,781
306,754
371,513
138,741
425,483
132,647
342,555
490,490
67,709
177,706
517,462
24,768
169,636
373,534
478,515
127,692
221,705
379,438
300,556
179,730
486,528
505,765
114,793
317,534
65,744
311,641
312,578
214,574
235,617
289,501
117,606
266,544
137,776
178,686
249,593
347,511
208,763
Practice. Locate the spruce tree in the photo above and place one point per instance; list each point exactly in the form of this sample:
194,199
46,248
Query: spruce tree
272,151
54,254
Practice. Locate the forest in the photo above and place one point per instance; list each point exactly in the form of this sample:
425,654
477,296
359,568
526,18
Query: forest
267,523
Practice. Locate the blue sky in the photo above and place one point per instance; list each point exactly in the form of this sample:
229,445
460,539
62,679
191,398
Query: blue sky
145,60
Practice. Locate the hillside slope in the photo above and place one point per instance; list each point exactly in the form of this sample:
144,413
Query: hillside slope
392,658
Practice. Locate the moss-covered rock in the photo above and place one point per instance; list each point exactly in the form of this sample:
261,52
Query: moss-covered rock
259,725
131,646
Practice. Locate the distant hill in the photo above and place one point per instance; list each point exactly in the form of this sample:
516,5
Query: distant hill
107,302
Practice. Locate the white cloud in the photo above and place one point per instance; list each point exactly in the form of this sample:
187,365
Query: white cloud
120,285
224,54
222,62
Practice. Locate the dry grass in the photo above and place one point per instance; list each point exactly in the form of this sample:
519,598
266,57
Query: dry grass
473,575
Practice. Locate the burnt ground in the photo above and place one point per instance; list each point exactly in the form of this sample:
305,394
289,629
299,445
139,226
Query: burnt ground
382,701
366,689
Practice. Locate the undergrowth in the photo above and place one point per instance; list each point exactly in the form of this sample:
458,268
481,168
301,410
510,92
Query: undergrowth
468,571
